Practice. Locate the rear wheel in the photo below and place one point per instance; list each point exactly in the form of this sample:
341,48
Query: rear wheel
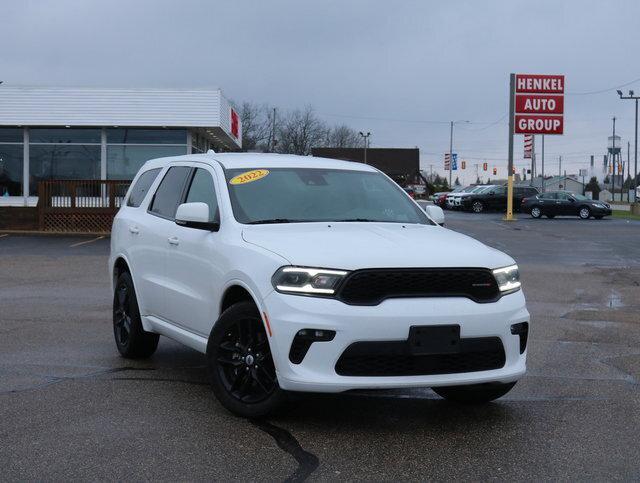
475,393
477,207
536,212
132,340
243,375
584,213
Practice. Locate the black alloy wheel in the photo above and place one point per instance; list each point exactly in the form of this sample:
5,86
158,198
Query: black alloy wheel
132,340
242,371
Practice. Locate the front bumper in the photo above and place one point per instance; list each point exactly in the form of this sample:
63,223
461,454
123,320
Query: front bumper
388,321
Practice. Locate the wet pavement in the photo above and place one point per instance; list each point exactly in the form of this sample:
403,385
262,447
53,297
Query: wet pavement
71,408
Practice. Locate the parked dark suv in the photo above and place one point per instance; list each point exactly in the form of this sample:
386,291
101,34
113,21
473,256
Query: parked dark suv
564,203
496,199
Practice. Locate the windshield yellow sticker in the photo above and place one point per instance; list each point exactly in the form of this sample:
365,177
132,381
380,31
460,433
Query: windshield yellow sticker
249,176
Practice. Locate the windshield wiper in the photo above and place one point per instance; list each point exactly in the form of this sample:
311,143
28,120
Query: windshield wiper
272,221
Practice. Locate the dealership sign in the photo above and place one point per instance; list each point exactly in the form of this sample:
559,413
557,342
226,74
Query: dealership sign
539,104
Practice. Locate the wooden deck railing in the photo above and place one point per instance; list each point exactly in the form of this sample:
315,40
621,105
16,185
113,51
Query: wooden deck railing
79,206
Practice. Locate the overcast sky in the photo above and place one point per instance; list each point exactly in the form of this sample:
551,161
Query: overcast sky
399,69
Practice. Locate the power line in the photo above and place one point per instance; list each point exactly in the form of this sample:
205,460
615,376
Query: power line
609,89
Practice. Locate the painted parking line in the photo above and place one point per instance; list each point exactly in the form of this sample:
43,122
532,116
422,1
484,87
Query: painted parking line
85,242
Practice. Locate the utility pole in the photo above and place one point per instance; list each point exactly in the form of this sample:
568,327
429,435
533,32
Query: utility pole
613,156
365,137
559,166
628,169
272,134
451,155
542,180
635,148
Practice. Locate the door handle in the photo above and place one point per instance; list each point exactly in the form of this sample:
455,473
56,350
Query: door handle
134,230
173,240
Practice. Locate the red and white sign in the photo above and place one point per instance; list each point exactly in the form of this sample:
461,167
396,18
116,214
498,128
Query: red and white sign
528,145
532,124
539,84
539,104
235,124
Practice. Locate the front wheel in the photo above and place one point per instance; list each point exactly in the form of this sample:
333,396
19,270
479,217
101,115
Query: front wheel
243,375
536,212
474,393
584,213
477,207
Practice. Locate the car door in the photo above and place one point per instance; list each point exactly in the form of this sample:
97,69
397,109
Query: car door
565,204
498,198
547,202
157,230
194,261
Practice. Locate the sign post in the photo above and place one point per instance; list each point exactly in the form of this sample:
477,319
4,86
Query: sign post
536,106
512,95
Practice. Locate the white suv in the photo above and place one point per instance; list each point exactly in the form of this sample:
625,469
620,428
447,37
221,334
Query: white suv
307,274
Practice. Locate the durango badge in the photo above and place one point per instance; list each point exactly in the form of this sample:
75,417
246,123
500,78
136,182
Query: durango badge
249,176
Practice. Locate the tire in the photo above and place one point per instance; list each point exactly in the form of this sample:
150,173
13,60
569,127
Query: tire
584,213
242,372
536,212
132,341
474,394
550,216
477,207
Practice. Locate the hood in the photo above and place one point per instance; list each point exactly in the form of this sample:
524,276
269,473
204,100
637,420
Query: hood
352,246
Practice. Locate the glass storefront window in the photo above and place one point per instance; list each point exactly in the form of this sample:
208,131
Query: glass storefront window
11,135
62,161
146,136
11,169
123,162
64,135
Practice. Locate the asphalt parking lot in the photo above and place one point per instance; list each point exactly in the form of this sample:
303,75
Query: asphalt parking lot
71,408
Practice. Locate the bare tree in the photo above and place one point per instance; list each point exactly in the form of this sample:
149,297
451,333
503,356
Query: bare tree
256,125
298,131
343,136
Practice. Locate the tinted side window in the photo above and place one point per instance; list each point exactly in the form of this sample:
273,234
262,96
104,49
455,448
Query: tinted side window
139,190
530,192
169,193
203,191
563,196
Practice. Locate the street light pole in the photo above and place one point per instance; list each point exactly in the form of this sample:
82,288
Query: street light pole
451,150
635,155
365,137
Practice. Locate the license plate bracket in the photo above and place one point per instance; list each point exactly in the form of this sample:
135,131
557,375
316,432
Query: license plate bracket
434,339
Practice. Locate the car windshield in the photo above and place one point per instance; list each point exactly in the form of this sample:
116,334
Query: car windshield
298,195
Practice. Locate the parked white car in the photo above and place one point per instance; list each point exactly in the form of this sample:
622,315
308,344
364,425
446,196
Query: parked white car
308,274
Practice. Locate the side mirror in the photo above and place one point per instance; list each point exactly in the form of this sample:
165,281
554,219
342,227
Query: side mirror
572,199
435,213
195,215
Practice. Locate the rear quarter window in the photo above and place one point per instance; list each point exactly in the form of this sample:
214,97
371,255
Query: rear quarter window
141,187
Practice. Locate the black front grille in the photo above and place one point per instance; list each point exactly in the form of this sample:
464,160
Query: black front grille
372,286
393,358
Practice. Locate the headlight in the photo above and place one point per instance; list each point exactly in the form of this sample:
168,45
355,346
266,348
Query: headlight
508,278
310,281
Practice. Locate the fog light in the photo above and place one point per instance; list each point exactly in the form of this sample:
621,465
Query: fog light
303,340
522,330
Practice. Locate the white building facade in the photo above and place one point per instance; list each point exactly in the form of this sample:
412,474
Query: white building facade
96,133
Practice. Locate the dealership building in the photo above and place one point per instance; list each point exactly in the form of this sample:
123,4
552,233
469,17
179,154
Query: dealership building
66,133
